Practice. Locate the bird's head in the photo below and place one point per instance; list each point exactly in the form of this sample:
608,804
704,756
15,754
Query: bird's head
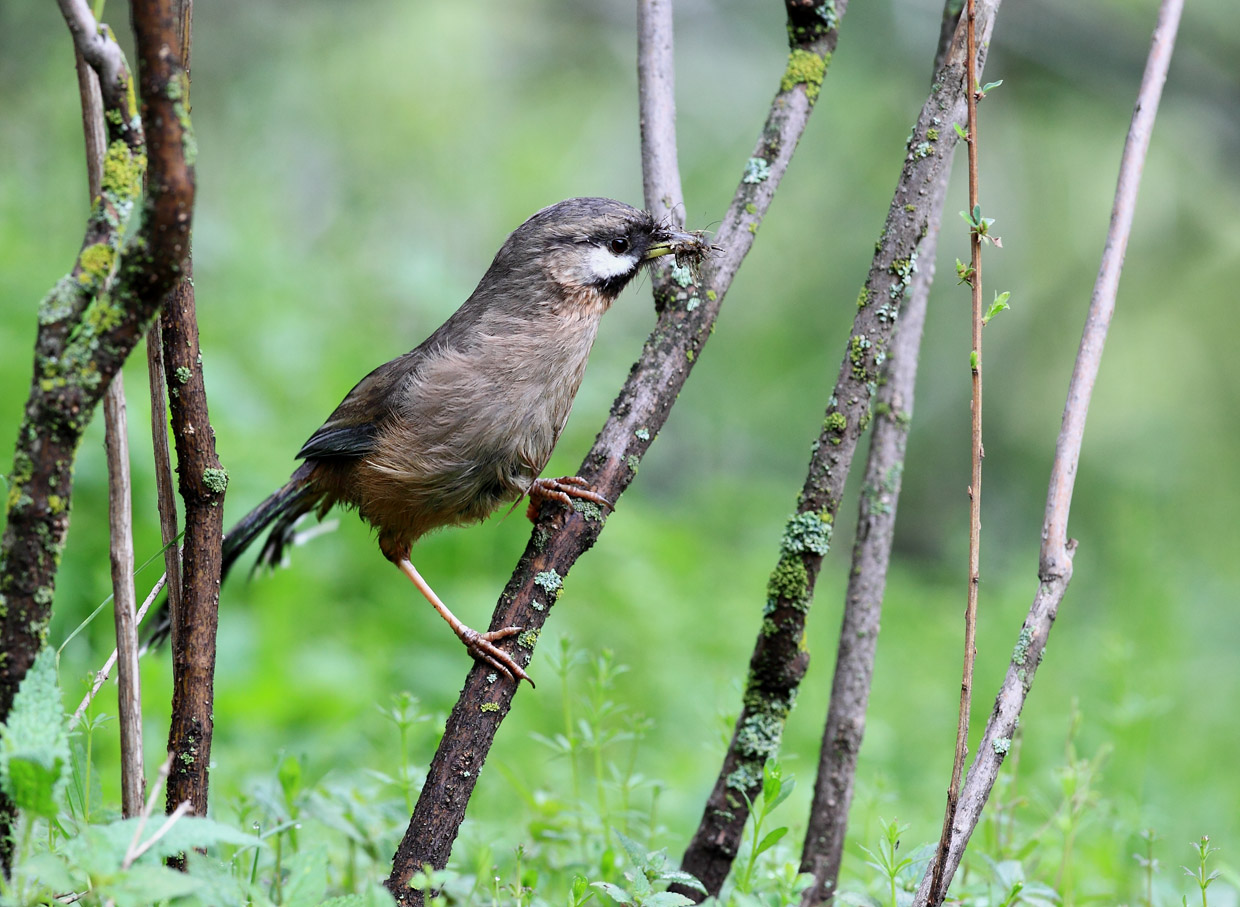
588,249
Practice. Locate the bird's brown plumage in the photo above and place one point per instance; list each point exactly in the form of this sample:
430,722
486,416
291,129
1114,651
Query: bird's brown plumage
465,422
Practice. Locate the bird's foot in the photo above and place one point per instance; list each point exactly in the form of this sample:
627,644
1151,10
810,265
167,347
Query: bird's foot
482,647
563,490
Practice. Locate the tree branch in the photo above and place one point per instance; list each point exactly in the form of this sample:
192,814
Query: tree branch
686,314
202,484
656,92
823,847
1055,561
89,323
779,662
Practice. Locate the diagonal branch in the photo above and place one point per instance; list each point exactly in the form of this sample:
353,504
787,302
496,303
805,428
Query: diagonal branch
779,662
686,313
844,728
1055,562
91,320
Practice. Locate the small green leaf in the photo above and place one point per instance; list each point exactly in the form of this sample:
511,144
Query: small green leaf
771,839
990,85
961,131
973,360
615,892
1000,303
668,899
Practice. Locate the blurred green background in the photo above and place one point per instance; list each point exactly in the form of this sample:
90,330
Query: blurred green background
359,164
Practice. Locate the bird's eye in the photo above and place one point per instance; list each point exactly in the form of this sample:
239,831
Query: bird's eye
619,245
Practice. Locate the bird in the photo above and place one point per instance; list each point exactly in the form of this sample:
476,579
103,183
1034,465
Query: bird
466,421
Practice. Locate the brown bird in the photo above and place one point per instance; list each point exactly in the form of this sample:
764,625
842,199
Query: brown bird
466,421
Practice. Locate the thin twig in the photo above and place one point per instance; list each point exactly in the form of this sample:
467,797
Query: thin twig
640,410
844,728
165,495
129,695
975,484
102,674
1055,561
136,849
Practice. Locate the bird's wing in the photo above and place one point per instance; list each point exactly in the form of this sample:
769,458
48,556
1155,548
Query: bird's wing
350,430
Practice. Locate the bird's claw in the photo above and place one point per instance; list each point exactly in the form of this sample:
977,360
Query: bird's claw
482,647
563,490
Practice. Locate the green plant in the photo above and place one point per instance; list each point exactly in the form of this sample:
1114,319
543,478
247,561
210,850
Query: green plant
1198,873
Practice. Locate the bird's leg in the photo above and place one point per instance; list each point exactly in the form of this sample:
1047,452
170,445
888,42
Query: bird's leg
563,490
480,645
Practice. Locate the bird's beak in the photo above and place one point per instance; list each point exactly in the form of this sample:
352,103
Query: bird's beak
675,242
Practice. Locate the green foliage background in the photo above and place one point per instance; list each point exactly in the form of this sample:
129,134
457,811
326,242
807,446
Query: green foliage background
358,166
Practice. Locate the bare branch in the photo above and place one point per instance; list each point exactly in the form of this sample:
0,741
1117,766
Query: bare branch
129,696
686,314
842,733
1055,565
202,484
656,93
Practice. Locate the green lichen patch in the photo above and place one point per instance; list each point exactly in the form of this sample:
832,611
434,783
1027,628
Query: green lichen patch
1021,650
123,171
805,68
489,707
858,345
96,262
757,170
549,581
789,581
216,479
528,639
807,532
588,509
182,374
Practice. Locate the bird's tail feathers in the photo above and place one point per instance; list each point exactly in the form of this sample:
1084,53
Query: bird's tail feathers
281,511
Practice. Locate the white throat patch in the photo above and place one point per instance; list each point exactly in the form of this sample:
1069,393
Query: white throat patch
604,264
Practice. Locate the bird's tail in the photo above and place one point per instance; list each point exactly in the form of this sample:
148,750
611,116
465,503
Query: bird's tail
281,511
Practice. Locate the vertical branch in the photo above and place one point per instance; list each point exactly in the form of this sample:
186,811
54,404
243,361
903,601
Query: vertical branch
120,511
656,95
202,484
975,484
120,518
1055,560
165,496
842,734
